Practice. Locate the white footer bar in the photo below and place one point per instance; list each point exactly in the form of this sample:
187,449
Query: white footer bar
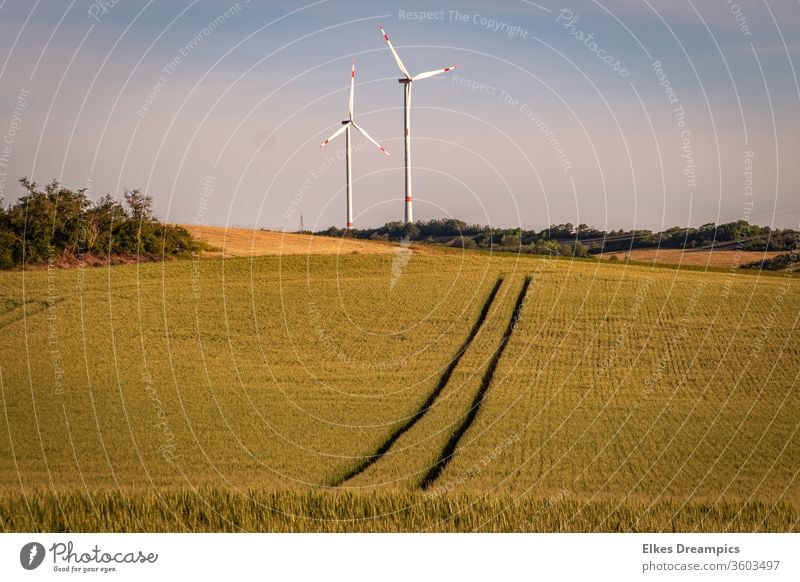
400,557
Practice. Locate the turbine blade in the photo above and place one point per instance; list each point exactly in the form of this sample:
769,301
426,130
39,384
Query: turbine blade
369,137
352,89
400,64
336,133
433,73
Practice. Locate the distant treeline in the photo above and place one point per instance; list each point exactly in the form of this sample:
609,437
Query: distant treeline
567,239
55,225
776,263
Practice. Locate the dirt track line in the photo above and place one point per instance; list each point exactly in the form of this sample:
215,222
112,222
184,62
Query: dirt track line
15,318
449,449
443,380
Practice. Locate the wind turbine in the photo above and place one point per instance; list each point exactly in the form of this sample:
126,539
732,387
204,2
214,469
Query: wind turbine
347,124
406,82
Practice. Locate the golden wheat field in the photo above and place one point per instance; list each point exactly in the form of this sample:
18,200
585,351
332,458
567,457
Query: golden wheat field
720,258
243,242
398,391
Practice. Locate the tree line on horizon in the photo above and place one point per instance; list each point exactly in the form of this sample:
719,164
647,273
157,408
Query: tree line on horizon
581,240
54,224
60,225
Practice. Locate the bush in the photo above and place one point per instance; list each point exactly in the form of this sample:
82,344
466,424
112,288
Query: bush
776,263
45,224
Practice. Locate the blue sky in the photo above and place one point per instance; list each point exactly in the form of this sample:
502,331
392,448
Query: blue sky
539,124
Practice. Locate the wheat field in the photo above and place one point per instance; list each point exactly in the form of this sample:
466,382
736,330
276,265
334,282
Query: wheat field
716,258
394,392
229,242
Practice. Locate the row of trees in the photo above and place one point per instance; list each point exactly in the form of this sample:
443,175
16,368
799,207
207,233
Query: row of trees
581,240
776,263
53,222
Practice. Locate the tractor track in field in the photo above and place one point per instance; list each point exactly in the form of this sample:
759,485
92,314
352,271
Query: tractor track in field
19,316
443,380
450,448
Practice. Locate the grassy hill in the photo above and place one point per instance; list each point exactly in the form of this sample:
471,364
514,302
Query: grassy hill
718,258
313,392
245,242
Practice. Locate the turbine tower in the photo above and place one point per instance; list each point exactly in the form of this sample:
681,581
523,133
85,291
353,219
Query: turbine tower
406,81
347,124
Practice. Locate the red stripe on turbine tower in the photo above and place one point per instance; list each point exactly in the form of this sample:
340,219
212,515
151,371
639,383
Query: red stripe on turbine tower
406,82
346,128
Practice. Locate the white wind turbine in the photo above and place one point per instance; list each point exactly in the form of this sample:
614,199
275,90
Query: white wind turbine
406,81
346,125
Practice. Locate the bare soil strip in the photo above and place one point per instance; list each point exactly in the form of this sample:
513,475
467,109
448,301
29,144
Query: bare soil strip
445,377
27,311
449,449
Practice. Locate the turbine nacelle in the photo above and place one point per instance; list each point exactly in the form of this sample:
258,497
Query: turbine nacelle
407,81
346,125
408,77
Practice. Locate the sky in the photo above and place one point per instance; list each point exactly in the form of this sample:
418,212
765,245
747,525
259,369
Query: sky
614,113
